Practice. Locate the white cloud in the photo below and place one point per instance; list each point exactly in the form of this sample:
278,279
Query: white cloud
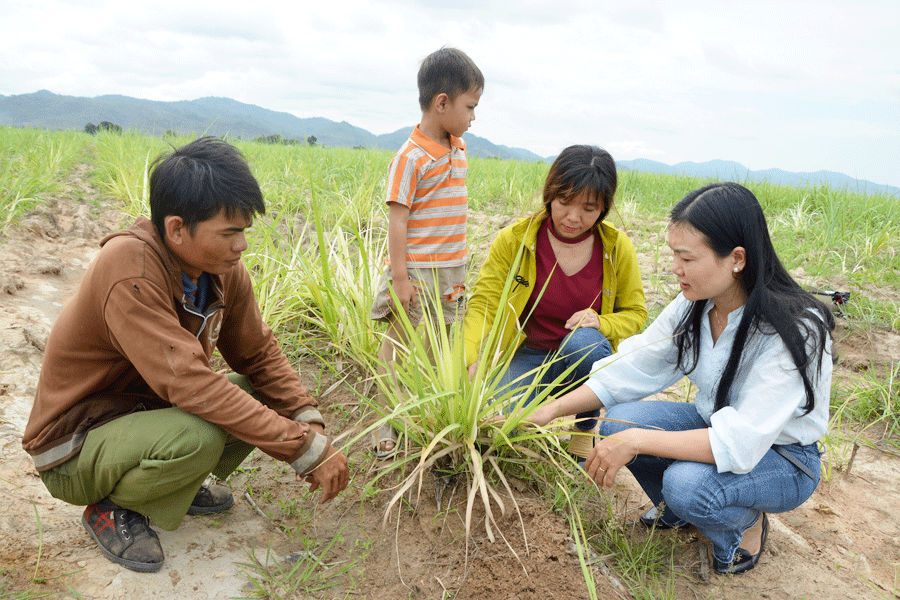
799,85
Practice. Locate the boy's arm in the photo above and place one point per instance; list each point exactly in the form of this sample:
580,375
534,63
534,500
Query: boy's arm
397,247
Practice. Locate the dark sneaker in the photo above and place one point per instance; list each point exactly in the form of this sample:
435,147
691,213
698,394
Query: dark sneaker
124,536
211,499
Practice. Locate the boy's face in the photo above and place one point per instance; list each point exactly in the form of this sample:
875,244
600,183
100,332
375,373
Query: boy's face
215,246
459,113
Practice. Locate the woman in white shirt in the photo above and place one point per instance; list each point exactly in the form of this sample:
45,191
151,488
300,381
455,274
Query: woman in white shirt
758,348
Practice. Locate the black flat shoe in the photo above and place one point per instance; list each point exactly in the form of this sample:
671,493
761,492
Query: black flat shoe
743,560
651,518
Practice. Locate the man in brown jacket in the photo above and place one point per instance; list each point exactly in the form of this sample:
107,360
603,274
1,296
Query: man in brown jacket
129,418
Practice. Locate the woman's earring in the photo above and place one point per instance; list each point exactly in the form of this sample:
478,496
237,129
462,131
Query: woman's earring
736,270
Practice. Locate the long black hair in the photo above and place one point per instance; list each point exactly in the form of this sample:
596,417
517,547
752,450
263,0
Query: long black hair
728,215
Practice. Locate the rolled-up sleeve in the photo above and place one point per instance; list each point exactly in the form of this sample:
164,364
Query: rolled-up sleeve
643,365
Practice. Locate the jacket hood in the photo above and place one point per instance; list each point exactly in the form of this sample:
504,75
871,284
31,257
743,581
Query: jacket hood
144,230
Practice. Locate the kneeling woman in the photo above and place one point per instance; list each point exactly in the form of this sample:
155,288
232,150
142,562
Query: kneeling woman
578,290
757,347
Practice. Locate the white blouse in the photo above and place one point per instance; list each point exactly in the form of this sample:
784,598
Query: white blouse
766,398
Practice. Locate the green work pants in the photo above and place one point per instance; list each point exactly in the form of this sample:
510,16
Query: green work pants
152,462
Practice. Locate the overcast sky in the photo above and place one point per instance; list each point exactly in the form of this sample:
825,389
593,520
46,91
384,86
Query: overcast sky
800,86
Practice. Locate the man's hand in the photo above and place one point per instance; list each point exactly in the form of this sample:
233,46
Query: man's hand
331,475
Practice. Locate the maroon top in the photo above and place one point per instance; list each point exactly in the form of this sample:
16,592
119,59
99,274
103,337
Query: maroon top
564,295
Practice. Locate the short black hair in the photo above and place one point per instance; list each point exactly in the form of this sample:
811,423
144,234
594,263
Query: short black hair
447,71
199,180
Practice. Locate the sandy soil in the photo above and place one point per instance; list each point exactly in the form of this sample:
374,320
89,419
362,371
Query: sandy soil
843,543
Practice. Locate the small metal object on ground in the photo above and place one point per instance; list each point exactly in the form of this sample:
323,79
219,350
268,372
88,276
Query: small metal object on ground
704,550
441,483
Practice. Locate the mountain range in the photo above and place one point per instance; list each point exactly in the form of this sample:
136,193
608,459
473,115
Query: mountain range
210,116
221,116
725,170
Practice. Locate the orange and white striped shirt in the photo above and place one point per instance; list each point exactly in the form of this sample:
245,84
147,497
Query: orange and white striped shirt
430,180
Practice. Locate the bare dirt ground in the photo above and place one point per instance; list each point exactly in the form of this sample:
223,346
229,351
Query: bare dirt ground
843,543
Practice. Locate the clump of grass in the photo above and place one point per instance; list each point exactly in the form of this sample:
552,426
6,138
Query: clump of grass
814,229
445,418
865,410
450,429
870,309
33,164
340,180
330,273
305,572
873,398
26,595
644,561
10,594
884,593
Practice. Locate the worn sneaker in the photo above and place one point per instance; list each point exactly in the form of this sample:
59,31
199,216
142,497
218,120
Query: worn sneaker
211,499
124,536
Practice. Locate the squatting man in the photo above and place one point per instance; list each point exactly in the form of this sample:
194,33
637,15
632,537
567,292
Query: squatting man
129,418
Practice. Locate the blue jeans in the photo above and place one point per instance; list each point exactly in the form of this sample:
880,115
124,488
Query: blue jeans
584,344
721,505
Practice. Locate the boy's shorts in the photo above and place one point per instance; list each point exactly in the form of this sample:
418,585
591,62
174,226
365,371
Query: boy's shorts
450,284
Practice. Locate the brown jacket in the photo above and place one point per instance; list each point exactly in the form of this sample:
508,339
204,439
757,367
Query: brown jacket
128,340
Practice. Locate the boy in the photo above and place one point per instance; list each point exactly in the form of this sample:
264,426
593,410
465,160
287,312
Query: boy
427,200
129,418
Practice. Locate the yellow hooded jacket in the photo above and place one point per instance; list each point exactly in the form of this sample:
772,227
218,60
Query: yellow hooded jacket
623,309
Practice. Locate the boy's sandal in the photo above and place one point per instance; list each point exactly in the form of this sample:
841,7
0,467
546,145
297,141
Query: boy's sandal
384,433
653,518
582,442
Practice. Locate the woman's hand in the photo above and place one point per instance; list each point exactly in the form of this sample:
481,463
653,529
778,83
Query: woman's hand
611,454
546,413
581,399
541,416
584,318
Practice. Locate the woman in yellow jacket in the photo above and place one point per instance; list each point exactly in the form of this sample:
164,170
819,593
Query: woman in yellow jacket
576,291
